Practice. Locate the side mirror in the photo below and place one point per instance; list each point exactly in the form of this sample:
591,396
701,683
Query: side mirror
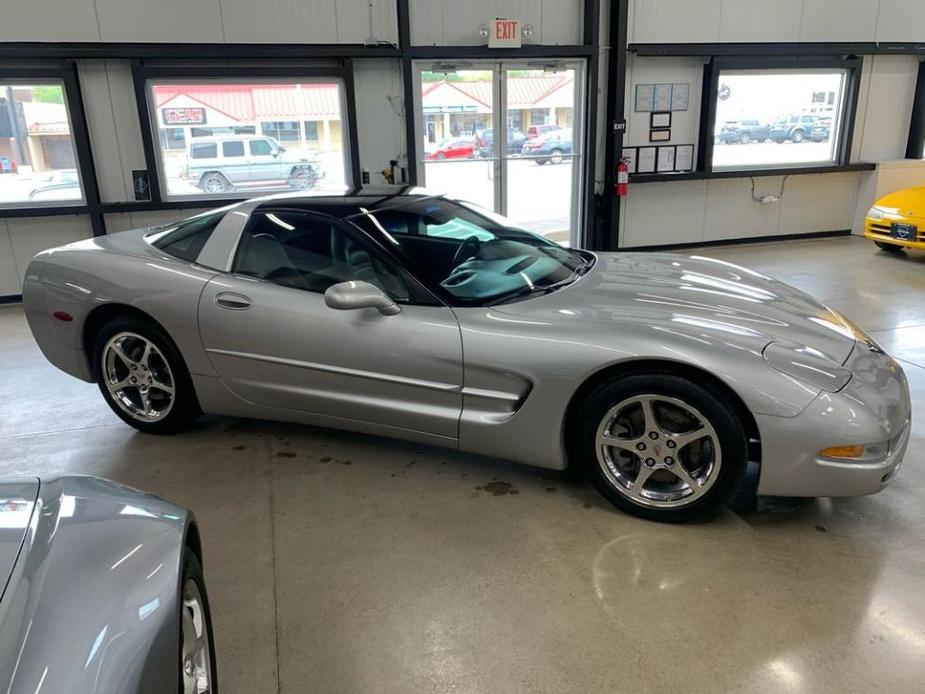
347,296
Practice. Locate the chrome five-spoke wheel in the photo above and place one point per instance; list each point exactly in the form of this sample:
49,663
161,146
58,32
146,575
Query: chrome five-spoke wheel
658,451
195,652
138,377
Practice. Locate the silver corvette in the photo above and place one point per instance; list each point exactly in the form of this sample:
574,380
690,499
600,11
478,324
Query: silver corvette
104,591
425,318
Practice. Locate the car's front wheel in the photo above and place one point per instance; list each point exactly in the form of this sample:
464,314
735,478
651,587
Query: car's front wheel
661,447
143,378
197,650
797,136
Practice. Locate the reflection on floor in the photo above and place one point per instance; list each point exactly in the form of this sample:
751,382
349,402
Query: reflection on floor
378,566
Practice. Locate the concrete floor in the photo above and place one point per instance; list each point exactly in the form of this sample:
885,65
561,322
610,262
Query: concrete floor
342,563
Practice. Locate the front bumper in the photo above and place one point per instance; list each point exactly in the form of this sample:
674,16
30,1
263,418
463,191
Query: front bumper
880,231
873,407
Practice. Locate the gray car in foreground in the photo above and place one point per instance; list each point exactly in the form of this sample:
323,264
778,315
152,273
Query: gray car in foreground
104,591
415,316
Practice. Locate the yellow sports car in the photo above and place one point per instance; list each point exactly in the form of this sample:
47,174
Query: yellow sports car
897,220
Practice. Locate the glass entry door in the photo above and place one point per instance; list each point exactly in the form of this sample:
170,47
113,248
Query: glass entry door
506,136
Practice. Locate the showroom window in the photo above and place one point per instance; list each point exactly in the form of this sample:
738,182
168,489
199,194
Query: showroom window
282,130
244,137
778,118
38,157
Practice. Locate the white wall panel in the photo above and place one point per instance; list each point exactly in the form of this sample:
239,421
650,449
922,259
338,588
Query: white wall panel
30,235
901,20
380,125
663,213
839,20
731,212
177,21
561,22
823,202
10,281
888,105
48,20
455,23
760,21
353,20
280,21
676,21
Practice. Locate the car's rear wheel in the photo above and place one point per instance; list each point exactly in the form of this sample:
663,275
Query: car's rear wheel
143,378
661,447
301,178
197,650
744,139
555,156
797,136
214,183
890,247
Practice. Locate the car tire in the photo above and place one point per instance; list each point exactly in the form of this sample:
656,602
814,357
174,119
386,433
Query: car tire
301,178
744,139
541,162
657,445
214,182
890,248
796,137
143,378
197,646
555,156
440,155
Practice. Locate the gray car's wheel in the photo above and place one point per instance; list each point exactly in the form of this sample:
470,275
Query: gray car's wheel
214,183
555,156
143,378
301,178
744,139
660,446
197,649
797,136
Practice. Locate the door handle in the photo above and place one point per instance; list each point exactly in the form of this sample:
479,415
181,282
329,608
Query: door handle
233,301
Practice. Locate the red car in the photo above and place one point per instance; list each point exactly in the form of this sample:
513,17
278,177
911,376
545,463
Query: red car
453,148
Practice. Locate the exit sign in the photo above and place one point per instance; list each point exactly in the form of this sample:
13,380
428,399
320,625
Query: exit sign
504,33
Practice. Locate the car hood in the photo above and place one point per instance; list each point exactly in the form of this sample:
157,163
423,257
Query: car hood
909,202
696,295
17,501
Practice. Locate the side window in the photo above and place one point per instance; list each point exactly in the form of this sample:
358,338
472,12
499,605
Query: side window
204,150
298,251
233,148
260,148
186,239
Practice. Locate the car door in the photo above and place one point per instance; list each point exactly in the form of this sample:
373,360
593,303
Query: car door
263,160
234,162
273,340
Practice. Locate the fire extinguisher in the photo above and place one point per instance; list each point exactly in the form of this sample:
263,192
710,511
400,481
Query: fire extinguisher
623,179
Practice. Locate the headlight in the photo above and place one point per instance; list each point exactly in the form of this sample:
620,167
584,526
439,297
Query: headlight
875,213
808,365
863,453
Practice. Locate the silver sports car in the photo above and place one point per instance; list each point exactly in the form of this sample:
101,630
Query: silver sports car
104,591
425,318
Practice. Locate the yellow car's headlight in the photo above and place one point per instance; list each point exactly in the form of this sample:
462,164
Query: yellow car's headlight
875,213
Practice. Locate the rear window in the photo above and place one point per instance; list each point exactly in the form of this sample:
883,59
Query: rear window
186,239
204,150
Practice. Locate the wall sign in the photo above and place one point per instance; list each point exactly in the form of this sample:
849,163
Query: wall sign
183,116
660,119
659,159
141,185
504,33
660,135
673,96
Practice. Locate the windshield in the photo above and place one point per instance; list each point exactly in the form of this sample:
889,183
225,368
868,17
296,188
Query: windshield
475,256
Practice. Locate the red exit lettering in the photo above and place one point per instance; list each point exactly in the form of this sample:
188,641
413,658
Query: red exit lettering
506,29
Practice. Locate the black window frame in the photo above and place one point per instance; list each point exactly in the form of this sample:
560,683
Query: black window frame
915,149
65,72
144,71
711,73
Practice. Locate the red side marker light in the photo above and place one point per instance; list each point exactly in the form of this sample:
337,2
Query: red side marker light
61,315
